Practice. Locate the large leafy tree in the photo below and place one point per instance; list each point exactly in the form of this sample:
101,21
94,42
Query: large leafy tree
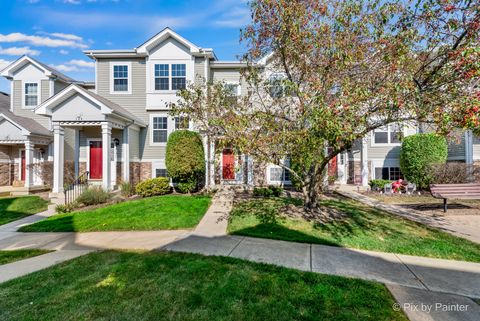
324,73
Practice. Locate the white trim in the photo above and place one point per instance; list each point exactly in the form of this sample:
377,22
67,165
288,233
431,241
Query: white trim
162,36
129,79
157,164
20,163
11,95
170,124
372,140
39,93
280,182
87,166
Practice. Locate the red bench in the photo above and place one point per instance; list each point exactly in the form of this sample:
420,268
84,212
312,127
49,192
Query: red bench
455,191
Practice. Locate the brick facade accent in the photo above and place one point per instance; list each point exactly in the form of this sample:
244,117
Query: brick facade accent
140,171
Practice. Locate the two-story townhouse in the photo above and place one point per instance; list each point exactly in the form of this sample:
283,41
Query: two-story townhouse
117,127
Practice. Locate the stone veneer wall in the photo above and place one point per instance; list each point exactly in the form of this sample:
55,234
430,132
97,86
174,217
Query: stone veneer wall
140,171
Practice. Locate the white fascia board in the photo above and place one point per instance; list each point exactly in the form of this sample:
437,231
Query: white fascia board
25,132
163,35
8,71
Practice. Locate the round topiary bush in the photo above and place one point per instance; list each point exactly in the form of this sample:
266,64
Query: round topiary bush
419,152
185,159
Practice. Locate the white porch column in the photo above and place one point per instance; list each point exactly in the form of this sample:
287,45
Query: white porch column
58,156
76,150
106,146
211,170
469,147
341,162
364,160
28,164
126,155
206,150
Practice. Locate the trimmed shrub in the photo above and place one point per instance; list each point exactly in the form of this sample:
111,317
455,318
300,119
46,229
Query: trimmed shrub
187,185
68,208
94,195
378,184
185,159
419,152
268,191
153,187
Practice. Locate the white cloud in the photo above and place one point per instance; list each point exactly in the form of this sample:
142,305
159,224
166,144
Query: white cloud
4,63
41,41
67,36
82,63
63,52
71,1
236,17
19,51
33,1
76,65
65,68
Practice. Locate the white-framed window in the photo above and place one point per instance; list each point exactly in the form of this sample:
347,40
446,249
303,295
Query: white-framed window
162,76
179,76
276,85
182,122
31,92
233,89
159,129
388,173
279,175
121,78
388,135
161,172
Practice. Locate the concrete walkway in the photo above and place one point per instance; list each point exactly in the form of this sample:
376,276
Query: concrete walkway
465,226
214,222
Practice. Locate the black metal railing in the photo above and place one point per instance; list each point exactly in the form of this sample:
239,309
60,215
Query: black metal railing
75,189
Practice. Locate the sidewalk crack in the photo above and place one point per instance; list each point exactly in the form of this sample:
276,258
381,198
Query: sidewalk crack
411,271
229,253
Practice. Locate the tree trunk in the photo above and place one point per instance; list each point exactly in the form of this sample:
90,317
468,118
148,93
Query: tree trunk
313,187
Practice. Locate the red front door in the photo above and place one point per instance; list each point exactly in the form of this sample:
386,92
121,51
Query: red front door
95,160
228,164
22,178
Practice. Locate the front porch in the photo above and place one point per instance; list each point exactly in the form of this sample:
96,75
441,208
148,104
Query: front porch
92,134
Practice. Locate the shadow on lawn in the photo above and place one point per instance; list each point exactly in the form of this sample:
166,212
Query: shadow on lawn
54,224
6,214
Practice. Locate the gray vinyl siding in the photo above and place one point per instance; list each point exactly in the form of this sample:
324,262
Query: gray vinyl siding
69,153
228,74
456,148
45,94
17,103
382,151
134,140
476,147
354,152
199,69
59,86
147,151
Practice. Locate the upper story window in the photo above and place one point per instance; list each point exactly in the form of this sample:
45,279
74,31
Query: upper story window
390,134
121,81
276,83
179,74
233,89
160,129
31,94
120,78
162,77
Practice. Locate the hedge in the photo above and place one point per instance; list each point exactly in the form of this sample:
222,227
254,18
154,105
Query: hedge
153,187
418,153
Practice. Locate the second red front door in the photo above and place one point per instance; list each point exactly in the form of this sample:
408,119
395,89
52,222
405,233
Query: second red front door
228,164
96,160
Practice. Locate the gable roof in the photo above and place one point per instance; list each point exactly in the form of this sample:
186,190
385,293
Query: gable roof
30,126
144,48
24,60
110,106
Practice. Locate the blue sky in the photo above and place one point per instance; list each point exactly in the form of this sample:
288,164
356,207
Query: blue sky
56,31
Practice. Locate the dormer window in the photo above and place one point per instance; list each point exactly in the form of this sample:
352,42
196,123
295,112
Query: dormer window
121,78
31,94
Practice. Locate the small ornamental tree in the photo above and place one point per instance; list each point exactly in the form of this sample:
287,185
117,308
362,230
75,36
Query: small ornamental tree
419,152
325,73
185,159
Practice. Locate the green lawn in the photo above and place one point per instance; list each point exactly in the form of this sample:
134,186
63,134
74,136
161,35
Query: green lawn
15,208
172,286
364,228
155,213
16,255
